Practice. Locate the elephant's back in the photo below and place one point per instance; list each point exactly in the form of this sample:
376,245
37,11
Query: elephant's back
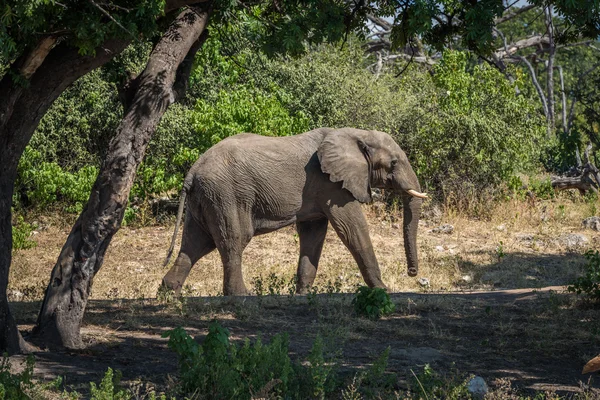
266,174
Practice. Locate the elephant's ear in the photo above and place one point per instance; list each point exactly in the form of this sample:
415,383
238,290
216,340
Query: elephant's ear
343,155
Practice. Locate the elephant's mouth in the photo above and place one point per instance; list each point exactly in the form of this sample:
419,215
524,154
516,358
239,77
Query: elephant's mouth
414,193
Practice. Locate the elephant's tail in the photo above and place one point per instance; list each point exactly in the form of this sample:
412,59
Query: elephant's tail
179,216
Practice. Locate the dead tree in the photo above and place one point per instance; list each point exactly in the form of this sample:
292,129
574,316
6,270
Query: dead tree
163,81
584,178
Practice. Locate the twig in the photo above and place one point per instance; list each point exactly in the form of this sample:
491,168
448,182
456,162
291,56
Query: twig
103,11
420,384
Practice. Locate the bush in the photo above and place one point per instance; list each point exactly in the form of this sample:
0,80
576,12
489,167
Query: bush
218,369
21,233
589,284
464,129
373,303
42,183
463,125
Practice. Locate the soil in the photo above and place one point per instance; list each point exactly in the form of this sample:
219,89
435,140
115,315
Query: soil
478,315
532,337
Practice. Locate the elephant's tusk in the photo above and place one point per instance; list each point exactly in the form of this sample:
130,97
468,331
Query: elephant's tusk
417,194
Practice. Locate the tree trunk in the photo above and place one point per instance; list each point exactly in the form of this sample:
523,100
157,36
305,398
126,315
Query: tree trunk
21,109
550,70
159,85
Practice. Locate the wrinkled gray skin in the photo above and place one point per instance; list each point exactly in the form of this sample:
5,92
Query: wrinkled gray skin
247,185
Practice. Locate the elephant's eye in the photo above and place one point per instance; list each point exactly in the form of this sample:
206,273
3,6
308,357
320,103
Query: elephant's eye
394,163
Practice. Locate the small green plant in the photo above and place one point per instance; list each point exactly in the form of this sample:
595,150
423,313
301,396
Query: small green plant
21,234
21,386
109,388
372,302
589,284
542,188
431,385
218,369
500,250
320,373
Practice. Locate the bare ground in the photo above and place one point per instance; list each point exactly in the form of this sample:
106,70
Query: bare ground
539,339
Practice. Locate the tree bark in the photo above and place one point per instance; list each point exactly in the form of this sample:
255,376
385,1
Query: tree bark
158,86
20,112
550,70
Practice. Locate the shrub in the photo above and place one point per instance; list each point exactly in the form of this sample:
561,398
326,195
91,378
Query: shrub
589,284
109,388
43,183
21,233
373,303
219,369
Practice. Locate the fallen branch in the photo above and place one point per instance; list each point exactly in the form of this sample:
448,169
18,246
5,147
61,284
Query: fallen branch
584,178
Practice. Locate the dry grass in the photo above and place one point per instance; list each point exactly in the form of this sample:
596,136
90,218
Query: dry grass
538,340
516,248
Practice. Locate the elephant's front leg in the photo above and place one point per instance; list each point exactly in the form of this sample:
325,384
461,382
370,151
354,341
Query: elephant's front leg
351,226
312,236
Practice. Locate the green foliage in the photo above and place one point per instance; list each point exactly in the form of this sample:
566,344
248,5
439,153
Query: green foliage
477,127
109,388
243,110
43,183
21,386
373,303
431,385
22,23
320,376
589,284
541,188
76,130
463,126
14,386
21,233
218,369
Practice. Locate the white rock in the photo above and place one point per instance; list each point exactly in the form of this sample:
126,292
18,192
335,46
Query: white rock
501,228
477,387
439,248
423,282
15,295
467,278
573,240
446,228
592,223
525,237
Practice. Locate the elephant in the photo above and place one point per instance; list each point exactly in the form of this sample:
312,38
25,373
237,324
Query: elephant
248,185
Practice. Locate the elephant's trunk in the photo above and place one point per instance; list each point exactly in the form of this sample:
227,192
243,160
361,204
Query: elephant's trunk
412,211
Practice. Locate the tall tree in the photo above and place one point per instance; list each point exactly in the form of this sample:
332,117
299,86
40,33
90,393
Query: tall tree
46,46
162,82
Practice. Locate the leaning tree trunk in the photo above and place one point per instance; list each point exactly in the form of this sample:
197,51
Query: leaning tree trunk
49,71
159,85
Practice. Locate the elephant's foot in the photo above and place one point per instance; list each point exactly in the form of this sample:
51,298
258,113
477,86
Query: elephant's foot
379,285
303,288
236,290
168,286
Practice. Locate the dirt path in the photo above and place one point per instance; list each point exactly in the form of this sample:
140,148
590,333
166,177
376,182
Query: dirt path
536,338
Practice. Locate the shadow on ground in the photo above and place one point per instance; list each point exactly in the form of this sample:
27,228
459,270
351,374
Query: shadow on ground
539,339
525,270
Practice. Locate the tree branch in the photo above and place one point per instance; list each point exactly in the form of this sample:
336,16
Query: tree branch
513,14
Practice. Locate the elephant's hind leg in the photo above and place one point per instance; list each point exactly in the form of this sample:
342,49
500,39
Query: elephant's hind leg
312,236
195,244
232,230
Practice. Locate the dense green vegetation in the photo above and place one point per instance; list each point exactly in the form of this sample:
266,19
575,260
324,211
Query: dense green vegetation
463,124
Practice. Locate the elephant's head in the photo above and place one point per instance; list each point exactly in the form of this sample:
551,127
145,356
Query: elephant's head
365,159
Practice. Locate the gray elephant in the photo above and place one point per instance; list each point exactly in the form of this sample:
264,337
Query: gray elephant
247,185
